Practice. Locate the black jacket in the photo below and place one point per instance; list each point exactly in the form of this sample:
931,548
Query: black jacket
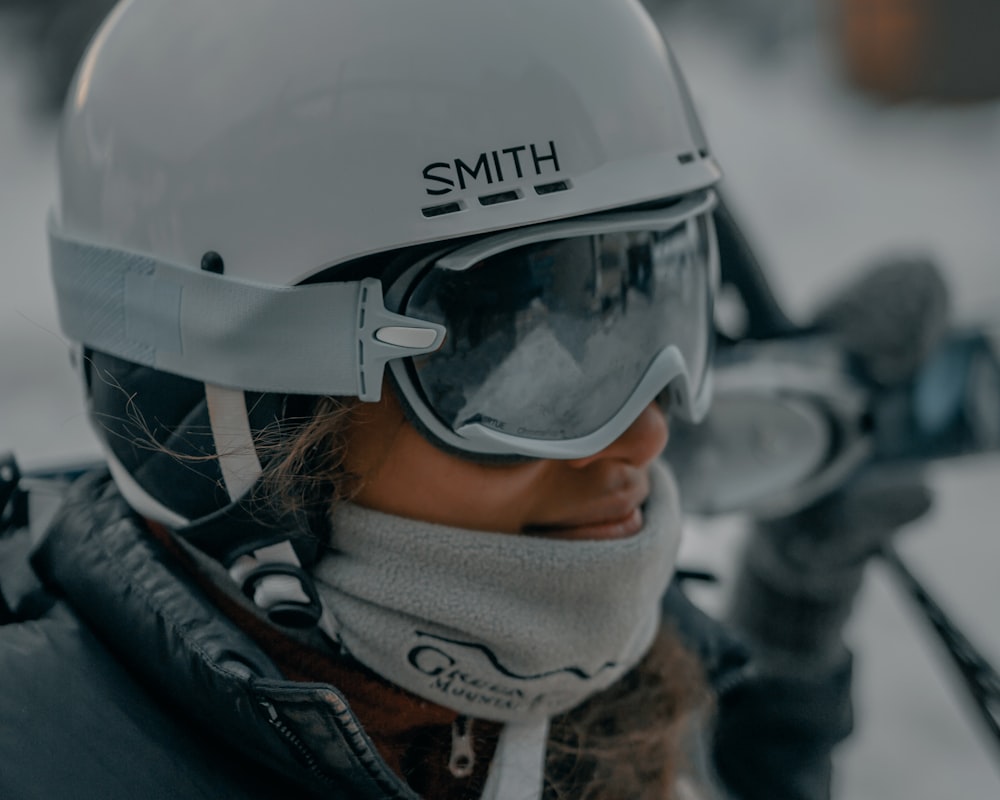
121,680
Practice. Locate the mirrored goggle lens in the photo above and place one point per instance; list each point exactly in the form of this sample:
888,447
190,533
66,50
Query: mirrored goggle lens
549,340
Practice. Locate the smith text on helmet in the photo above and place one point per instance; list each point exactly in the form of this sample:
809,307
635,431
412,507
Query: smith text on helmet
493,166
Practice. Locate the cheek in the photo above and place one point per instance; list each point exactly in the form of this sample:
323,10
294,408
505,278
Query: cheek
498,499
412,478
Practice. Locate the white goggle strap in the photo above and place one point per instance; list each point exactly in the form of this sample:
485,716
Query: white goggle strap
317,339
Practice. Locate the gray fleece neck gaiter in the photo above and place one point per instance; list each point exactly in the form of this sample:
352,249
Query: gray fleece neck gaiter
498,626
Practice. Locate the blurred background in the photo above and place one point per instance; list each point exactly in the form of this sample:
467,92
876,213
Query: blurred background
849,131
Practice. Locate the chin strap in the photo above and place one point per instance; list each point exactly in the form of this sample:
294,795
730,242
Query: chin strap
268,570
517,771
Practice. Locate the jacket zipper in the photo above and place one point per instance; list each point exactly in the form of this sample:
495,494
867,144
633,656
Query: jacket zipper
296,743
463,757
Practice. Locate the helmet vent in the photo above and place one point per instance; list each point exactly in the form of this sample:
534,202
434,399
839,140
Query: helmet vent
689,158
552,188
500,197
441,210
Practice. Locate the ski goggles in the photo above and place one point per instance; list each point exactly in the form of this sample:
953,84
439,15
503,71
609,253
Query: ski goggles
559,335
546,341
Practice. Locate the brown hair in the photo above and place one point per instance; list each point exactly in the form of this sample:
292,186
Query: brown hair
303,458
628,741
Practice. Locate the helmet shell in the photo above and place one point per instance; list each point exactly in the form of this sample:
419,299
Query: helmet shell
295,135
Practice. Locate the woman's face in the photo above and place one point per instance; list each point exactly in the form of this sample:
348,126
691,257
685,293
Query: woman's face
597,497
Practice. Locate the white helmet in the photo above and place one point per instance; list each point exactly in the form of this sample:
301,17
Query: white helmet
282,144
291,136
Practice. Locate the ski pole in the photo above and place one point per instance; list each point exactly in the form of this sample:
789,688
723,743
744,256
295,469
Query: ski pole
979,677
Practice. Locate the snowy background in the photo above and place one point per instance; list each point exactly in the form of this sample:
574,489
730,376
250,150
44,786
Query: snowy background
825,180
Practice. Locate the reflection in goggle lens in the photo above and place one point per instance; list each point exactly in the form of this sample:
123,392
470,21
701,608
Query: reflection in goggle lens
549,340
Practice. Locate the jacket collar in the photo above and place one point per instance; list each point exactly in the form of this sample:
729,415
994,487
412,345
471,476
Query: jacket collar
157,620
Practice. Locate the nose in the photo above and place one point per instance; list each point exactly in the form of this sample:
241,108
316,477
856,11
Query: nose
641,442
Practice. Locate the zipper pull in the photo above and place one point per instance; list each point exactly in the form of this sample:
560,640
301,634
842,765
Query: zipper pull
463,758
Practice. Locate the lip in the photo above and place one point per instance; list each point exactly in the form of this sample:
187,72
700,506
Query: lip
611,508
617,516
616,528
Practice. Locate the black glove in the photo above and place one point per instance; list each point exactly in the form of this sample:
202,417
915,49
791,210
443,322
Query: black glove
800,574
